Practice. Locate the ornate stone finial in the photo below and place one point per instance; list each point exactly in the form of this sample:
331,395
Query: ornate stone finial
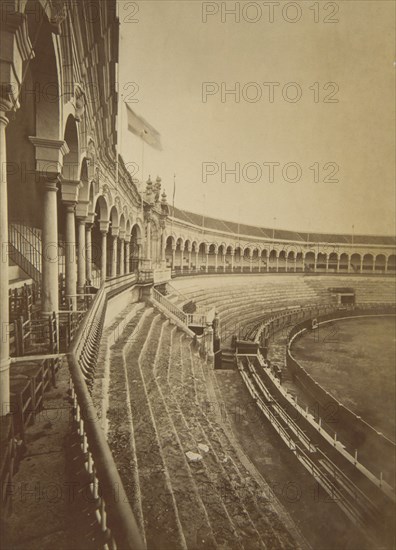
164,199
149,191
157,188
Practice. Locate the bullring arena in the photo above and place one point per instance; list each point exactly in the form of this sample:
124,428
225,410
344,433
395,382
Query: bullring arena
171,380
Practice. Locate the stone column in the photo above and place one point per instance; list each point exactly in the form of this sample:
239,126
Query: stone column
127,256
181,258
173,256
196,259
88,251
232,253
224,261
361,264
338,264
163,247
250,262
386,264
122,260
315,264
216,253
114,256
277,263
148,242
103,267
189,260
81,258
207,262
349,264
49,244
4,312
327,264
70,243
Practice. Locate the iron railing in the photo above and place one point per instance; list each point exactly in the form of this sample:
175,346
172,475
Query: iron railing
115,521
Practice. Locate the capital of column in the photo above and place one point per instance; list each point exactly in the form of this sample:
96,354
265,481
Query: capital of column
69,189
49,154
70,207
114,231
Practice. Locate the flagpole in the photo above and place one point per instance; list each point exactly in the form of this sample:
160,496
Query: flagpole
173,202
142,190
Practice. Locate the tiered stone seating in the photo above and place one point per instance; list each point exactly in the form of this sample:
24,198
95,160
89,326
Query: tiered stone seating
368,290
240,300
161,407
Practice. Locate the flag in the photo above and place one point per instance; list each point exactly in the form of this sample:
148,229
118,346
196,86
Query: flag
138,126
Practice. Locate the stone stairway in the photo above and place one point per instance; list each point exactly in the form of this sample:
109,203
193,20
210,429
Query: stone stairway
186,479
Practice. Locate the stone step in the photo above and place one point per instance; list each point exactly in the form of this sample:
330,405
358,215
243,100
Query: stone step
161,521
192,514
224,530
252,490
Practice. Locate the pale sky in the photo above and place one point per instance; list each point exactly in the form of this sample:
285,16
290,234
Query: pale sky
168,52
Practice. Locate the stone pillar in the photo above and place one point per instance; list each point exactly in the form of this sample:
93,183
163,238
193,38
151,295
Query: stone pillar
216,253
207,262
70,243
81,258
251,262
181,258
49,244
386,264
349,264
114,256
163,247
173,256
338,264
127,257
122,257
224,261
277,263
196,259
148,242
327,264
103,267
361,264
88,251
232,260
189,260
315,264
4,311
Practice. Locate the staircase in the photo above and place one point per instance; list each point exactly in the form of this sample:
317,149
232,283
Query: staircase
25,249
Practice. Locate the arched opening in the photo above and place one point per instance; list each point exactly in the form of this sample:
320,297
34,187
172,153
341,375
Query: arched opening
355,263
238,259
273,257
229,259
246,259
333,262
169,251
99,240
391,263
112,243
309,262
368,262
202,266
299,262
344,262
321,261
136,243
282,261
380,263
